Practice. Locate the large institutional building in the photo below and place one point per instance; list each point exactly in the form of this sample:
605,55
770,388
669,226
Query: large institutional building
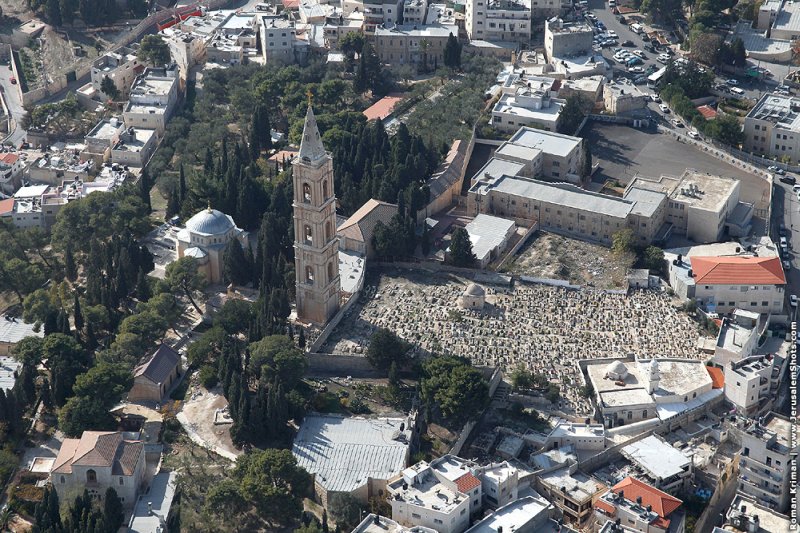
316,246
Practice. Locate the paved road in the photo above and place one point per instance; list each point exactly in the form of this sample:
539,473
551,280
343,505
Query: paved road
14,103
786,211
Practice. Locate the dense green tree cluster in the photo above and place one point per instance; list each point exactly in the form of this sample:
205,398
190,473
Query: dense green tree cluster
26,262
689,78
268,481
154,50
94,393
454,388
84,515
387,349
725,128
368,164
452,52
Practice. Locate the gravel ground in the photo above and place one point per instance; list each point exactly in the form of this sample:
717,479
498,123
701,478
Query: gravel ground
552,256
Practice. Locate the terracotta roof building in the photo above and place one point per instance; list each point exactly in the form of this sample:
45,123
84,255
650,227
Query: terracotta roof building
355,233
97,461
640,507
383,108
153,378
707,112
724,283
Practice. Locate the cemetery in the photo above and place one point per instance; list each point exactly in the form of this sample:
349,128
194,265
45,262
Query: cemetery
544,328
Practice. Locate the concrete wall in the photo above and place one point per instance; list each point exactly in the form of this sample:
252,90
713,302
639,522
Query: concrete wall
326,364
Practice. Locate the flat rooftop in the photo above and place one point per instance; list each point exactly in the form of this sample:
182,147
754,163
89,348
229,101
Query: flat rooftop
487,233
624,397
9,367
579,486
733,336
655,456
788,18
105,129
433,30
141,137
508,104
565,428
782,111
553,458
559,26
160,496
428,493
450,467
342,452
647,202
548,142
515,152
351,270
769,520
380,524
153,86
497,167
681,377
514,515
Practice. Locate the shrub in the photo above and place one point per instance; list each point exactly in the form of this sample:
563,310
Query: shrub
208,376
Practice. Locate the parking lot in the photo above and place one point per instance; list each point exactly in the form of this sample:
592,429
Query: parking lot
624,152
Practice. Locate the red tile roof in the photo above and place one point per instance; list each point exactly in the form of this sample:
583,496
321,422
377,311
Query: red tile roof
6,206
467,482
707,111
738,270
9,159
382,108
609,509
662,503
291,4
717,377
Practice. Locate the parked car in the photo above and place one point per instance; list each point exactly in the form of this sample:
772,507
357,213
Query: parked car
776,170
677,123
640,80
789,180
655,98
732,82
13,80
787,265
694,135
640,54
664,108
627,42
737,91
793,300
636,70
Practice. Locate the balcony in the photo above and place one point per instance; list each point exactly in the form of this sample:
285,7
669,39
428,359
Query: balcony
764,473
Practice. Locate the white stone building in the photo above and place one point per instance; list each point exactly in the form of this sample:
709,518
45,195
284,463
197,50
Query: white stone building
443,495
772,127
204,237
97,461
153,98
499,20
751,384
564,39
120,67
663,466
641,508
768,447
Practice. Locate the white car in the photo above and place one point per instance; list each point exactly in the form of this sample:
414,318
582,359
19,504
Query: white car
655,98
612,33
636,70
694,135
793,300
664,108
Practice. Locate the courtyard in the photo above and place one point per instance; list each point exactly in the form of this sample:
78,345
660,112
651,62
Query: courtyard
543,328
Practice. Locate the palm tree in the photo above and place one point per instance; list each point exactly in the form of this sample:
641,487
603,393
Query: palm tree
5,519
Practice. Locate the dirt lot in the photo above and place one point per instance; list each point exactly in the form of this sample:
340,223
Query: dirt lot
198,410
549,255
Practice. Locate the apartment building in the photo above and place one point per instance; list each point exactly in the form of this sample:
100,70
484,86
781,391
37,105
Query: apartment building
278,40
412,45
442,495
101,138
767,449
661,465
751,384
640,507
566,39
120,67
527,103
499,20
134,147
737,338
414,12
499,484
11,167
772,127
572,491
153,99
378,13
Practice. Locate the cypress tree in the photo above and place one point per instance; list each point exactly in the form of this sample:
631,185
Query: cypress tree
76,312
70,270
113,515
181,185
142,286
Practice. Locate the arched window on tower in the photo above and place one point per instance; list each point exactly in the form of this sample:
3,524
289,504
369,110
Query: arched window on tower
307,193
328,231
325,190
309,275
330,272
91,476
307,234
